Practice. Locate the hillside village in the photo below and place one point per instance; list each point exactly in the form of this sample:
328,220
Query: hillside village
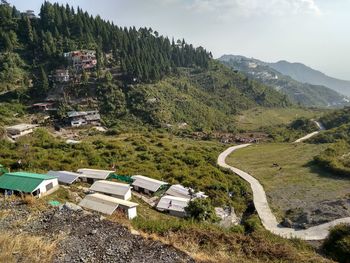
105,194
114,144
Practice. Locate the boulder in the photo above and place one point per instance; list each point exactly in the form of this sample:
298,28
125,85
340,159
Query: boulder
287,223
71,207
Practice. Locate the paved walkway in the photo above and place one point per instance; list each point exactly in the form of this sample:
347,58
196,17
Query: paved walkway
267,218
308,136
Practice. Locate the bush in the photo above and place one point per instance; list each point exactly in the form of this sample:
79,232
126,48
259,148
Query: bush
201,210
253,224
337,244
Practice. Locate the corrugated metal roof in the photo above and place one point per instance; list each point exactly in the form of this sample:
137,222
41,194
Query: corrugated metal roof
173,203
104,204
94,117
72,114
21,181
94,173
147,183
126,203
109,187
100,203
21,127
181,191
64,176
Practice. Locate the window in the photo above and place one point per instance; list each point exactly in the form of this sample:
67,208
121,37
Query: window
49,186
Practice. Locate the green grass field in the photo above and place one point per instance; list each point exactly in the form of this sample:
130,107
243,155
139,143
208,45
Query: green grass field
293,181
256,118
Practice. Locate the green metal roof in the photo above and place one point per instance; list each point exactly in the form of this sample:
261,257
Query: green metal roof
22,181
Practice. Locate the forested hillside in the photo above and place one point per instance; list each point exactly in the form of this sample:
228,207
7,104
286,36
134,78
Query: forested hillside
138,73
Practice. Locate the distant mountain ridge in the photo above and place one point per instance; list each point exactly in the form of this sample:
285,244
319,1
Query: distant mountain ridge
305,74
298,92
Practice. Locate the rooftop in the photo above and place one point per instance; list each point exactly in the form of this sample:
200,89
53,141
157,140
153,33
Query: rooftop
147,183
64,176
104,204
185,192
22,181
21,127
173,203
109,187
94,173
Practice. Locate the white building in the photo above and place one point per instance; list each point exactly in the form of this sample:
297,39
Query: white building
108,205
146,184
92,175
178,190
28,183
19,130
173,205
118,190
65,177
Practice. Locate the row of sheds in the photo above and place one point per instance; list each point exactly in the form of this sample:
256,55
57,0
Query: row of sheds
106,196
174,201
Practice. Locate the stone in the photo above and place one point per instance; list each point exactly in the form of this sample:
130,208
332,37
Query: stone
71,207
287,223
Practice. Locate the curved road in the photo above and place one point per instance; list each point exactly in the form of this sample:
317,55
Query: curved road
267,218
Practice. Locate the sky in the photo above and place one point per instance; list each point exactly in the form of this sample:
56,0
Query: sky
313,32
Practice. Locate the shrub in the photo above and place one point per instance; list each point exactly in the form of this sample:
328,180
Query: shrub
337,244
252,224
201,210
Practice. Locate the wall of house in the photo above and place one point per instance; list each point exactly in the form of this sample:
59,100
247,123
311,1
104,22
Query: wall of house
127,195
132,213
43,185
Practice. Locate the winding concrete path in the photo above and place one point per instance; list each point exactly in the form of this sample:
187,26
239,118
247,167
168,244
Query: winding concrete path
267,218
308,136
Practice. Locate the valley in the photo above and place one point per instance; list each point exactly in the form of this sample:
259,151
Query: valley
296,188
218,160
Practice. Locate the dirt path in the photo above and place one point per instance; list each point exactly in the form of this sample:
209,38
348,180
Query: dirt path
267,218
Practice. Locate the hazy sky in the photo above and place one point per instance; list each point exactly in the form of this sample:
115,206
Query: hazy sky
314,32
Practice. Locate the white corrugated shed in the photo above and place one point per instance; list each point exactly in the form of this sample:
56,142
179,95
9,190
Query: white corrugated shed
119,190
173,204
100,203
64,176
95,173
147,183
179,190
107,205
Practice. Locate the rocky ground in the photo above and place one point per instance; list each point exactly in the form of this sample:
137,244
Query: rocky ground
317,213
85,236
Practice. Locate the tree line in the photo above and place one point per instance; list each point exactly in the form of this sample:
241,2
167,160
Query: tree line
141,54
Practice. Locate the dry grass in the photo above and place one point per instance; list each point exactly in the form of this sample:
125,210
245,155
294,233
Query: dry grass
25,248
220,247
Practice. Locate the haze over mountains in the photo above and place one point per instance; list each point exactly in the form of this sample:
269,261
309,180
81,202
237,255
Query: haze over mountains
302,73
300,83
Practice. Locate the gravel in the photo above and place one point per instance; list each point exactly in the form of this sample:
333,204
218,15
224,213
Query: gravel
88,237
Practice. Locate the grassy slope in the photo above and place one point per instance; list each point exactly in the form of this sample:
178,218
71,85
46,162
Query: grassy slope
298,182
204,99
254,119
159,155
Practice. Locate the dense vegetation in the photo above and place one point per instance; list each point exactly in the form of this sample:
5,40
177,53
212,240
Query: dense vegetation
158,155
337,244
336,157
142,54
139,75
288,133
